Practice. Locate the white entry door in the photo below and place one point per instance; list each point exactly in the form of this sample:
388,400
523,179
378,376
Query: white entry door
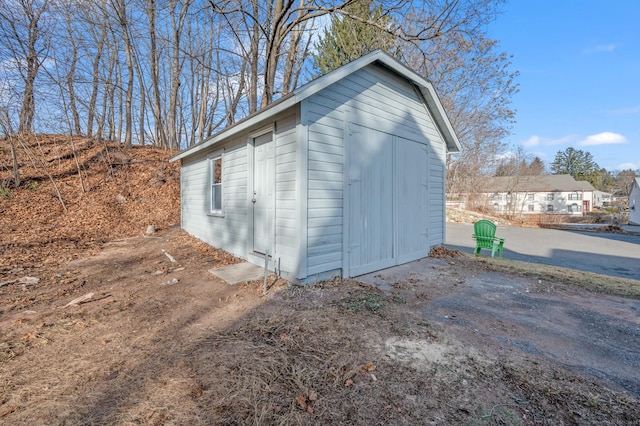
263,193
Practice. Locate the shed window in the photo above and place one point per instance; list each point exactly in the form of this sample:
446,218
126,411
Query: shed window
215,165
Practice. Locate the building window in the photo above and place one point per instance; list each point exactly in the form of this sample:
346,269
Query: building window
531,197
575,196
550,196
496,207
550,207
531,208
215,165
574,208
497,197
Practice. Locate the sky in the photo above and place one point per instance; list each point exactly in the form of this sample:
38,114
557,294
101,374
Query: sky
579,83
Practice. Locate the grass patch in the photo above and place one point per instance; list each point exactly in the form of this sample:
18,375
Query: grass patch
362,301
588,280
5,192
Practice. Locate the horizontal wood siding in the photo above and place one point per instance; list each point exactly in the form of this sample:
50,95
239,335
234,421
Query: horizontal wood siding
286,207
437,160
230,231
325,125
378,99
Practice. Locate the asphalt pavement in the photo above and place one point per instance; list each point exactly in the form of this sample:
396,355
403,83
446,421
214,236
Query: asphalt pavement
603,253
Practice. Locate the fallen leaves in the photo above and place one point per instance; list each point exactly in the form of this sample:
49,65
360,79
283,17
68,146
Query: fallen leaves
304,402
369,367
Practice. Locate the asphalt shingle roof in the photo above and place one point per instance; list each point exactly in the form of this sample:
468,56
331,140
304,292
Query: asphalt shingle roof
542,183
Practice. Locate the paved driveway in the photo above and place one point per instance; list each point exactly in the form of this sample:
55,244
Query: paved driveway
609,254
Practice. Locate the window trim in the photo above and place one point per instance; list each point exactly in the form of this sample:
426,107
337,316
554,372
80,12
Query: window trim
575,196
211,159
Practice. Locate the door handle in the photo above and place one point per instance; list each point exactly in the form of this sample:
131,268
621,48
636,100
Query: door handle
253,200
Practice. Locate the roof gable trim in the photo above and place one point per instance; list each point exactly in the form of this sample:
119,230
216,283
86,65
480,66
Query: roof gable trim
426,88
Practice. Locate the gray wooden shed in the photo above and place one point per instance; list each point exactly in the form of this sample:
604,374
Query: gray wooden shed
344,176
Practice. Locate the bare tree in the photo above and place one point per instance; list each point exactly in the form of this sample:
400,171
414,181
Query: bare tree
178,14
159,134
7,129
23,38
120,8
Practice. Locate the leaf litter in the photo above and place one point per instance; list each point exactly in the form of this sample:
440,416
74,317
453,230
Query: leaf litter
338,352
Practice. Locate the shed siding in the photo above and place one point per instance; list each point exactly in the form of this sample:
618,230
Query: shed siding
634,203
286,207
228,232
376,98
325,125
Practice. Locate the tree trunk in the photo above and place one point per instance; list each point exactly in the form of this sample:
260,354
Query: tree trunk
176,69
128,49
32,63
159,137
71,79
91,113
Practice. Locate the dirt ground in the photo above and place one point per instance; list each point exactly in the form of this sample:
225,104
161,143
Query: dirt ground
147,349
153,341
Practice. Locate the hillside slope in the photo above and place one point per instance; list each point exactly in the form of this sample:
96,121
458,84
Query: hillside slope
76,193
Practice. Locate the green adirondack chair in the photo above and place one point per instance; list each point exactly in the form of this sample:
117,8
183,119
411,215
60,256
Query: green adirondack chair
484,232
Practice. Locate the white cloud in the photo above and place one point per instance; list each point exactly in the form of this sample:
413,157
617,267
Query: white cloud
506,156
604,138
601,48
540,141
627,166
625,111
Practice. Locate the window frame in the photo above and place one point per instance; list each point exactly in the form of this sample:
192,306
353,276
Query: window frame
550,196
575,196
213,161
549,208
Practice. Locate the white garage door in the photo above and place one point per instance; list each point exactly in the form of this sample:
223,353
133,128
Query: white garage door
386,201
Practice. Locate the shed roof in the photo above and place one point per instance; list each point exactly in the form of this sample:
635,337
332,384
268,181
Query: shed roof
542,183
379,57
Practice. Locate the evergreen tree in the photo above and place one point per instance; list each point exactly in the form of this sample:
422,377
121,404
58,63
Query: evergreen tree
360,29
576,163
536,167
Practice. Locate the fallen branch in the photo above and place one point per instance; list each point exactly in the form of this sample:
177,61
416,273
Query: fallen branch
171,258
79,300
2,284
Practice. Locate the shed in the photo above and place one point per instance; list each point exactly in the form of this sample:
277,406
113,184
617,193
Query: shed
634,202
343,176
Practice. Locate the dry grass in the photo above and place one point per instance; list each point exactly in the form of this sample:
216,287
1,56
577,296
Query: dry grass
587,280
203,352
